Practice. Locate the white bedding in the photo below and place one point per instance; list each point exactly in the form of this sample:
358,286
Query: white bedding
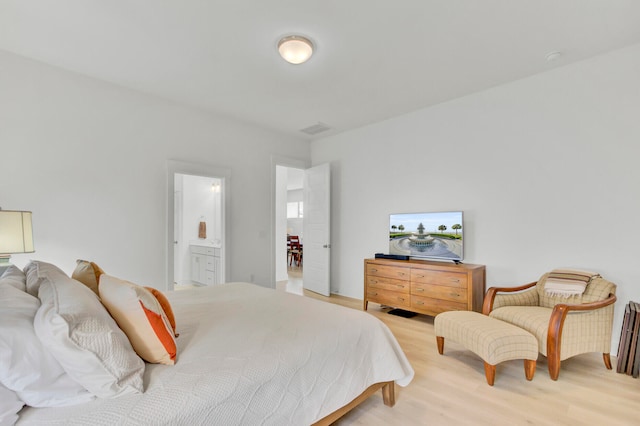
252,356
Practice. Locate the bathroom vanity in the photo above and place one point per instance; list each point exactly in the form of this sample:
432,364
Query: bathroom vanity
205,262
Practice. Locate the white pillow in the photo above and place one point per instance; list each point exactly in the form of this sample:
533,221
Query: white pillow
10,404
13,276
85,340
35,272
25,366
140,315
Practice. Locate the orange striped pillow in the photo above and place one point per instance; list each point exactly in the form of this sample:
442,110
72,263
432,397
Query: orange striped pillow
166,307
140,315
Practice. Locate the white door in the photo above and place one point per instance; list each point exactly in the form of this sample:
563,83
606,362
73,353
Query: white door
316,225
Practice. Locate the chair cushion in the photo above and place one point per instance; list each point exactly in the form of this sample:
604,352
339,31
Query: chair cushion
534,319
583,331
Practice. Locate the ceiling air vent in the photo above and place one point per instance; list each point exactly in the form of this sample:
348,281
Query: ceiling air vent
315,129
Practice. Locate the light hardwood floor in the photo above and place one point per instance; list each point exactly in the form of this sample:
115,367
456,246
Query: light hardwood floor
450,389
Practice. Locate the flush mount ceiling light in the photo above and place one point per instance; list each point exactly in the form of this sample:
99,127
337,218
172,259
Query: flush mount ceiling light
295,49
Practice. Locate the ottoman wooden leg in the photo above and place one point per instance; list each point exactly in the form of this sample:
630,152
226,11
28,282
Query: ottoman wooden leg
529,368
490,372
440,342
607,361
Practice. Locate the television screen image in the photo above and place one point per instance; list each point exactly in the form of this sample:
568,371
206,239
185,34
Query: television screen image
434,235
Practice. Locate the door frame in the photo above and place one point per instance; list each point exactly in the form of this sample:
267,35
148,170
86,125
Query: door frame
277,160
206,170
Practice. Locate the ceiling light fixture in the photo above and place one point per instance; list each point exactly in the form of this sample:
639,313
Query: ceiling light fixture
295,49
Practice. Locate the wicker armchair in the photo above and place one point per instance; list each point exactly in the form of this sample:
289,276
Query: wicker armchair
564,326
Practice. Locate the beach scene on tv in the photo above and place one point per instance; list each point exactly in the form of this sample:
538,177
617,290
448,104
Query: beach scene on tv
433,235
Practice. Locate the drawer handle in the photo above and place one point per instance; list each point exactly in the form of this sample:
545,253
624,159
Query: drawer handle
420,302
455,280
419,289
374,270
401,299
374,281
454,294
400,285
374,294
420,276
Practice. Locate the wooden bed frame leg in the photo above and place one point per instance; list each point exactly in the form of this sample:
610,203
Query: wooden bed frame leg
389,394
490,372
440,342
529,368
607,361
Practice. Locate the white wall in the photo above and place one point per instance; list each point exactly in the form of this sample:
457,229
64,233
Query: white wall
545,170
90,160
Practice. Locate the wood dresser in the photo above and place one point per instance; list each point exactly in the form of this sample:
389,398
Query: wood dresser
423,286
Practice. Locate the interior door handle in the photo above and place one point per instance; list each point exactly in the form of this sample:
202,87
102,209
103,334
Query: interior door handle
326,246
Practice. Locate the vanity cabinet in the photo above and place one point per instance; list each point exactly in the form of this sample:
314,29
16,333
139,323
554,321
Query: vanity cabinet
205,265
423,286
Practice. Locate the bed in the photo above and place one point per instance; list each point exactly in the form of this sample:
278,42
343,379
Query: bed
251,355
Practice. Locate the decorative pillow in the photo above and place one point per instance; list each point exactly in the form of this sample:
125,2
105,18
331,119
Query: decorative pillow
140,315
26,367
166,307
13,276
88,273
82,336
10,404
35,271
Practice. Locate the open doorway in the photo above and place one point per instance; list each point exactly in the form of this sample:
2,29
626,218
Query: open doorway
198,233
289,239
197,230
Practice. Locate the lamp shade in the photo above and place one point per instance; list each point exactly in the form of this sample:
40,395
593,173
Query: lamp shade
16,233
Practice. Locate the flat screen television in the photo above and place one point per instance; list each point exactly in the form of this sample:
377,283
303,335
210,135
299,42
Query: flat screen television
433,235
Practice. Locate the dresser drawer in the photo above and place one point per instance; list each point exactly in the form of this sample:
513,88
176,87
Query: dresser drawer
443,292
446,278
396,272
392,284
435,306
387,297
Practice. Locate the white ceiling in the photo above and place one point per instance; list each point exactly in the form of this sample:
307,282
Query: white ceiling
374,59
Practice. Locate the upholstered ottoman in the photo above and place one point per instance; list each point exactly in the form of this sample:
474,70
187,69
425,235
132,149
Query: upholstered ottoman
491,339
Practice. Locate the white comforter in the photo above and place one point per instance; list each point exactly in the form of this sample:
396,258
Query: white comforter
252,356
